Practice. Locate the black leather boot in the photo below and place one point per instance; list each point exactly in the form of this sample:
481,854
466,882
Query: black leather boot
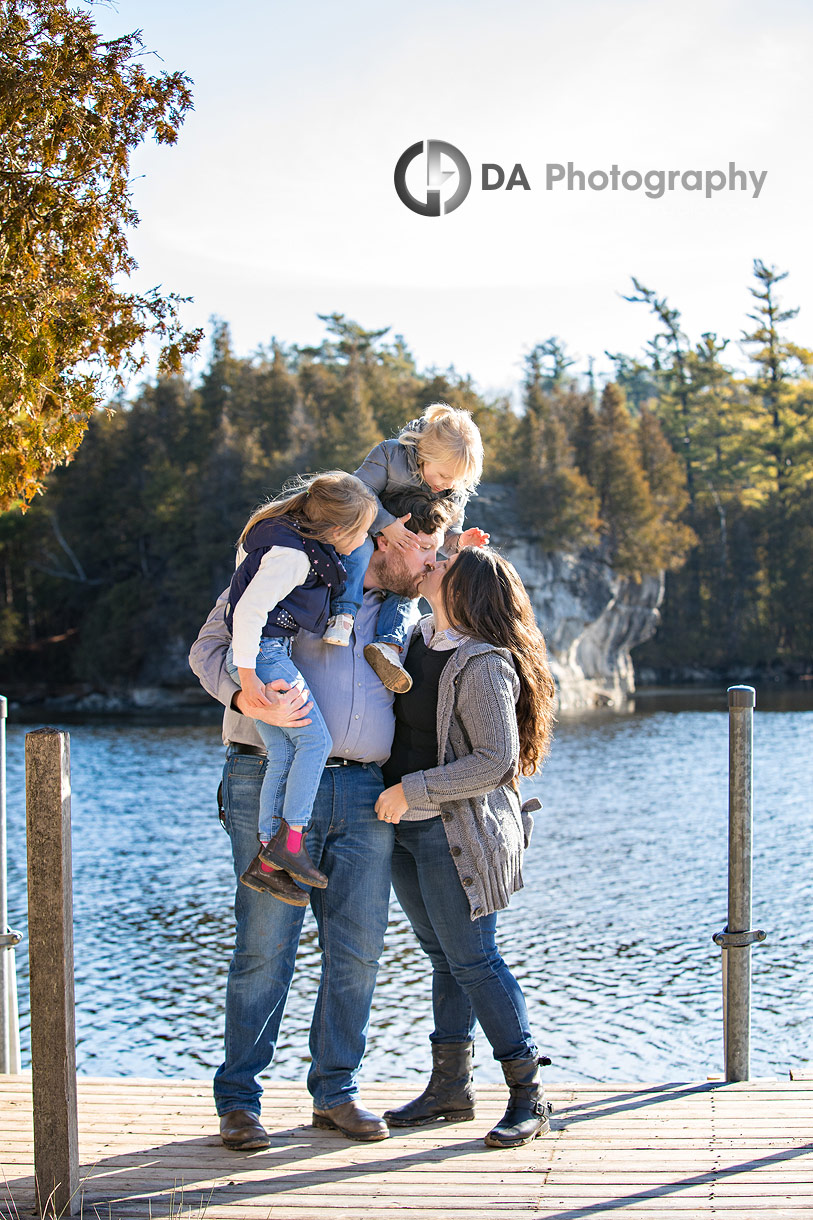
449,1094
527,1113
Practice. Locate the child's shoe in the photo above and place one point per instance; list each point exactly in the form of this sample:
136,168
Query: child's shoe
339,629
287,850
274,881
385,659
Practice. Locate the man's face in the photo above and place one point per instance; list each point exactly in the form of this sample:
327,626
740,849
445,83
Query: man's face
400,571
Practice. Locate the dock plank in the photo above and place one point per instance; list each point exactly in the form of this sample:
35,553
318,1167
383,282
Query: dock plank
149,1148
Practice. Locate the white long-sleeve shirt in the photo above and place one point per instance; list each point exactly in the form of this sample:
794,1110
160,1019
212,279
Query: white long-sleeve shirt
281,569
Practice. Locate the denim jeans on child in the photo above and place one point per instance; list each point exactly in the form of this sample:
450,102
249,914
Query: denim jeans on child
355,565
469,978
396,612
347,841
296,753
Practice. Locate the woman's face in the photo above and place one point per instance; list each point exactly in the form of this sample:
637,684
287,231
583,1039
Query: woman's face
429,584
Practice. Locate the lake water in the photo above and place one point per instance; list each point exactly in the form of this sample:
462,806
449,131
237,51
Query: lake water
611,937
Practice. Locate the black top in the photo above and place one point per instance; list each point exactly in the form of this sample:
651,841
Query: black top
415,744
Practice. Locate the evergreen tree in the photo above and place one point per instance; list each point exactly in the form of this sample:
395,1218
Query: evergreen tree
628,513
555,499
635,378
337,392
585,438
667,487
784,404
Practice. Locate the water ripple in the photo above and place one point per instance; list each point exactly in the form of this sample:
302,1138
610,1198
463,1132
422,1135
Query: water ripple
611,937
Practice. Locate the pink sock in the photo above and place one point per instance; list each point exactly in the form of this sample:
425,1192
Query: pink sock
266,868
294,840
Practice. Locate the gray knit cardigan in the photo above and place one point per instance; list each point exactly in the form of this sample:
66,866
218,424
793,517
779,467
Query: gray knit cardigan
478,751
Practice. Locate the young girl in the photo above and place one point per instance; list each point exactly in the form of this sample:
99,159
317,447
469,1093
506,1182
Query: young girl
288,570
440,454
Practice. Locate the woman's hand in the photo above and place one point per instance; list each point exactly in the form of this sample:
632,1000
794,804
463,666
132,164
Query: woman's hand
399,536
473,537
392,804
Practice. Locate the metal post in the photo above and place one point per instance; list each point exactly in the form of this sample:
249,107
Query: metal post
9,1024
737,937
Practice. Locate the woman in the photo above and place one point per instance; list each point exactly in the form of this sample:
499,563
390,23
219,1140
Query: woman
478,716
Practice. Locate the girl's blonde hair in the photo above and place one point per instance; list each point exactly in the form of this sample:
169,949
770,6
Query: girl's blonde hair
449,436
321,506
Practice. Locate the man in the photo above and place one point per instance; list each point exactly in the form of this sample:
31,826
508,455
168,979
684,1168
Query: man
346,841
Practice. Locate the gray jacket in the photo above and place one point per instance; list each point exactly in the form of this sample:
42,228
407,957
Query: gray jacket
391,468
478,752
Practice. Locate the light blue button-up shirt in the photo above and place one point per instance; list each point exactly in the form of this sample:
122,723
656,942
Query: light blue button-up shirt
356,705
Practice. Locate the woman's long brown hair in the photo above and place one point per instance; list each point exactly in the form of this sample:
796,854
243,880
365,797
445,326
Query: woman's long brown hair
485,599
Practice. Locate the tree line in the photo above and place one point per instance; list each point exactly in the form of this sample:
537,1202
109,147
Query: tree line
678,463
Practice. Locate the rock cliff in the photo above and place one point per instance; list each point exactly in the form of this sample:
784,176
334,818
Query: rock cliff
591,618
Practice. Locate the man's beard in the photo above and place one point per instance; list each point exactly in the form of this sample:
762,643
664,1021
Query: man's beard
393,574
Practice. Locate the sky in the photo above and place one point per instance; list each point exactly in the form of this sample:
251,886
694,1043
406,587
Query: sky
277,203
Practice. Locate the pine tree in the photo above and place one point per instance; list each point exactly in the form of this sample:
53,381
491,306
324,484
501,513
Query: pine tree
667,487
337,392
786,414
555,499
628,513
784,406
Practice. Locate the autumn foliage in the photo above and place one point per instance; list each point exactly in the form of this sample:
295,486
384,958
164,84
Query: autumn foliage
72,108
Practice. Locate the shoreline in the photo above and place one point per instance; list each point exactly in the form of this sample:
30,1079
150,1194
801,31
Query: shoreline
190,705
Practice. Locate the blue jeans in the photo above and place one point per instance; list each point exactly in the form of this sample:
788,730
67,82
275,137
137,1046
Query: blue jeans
394,618
296,753
355,565
469,978
349,844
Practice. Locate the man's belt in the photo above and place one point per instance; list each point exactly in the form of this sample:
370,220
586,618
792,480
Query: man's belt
240,747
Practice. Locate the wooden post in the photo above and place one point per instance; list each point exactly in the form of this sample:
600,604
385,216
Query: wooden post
50,935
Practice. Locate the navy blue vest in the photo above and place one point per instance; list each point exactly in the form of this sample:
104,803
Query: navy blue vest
307,605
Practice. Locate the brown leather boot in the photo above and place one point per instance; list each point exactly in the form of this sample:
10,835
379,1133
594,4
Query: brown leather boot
352,1120
276,883
297,863
243,1131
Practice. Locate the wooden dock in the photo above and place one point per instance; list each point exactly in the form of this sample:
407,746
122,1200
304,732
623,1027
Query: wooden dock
649,1151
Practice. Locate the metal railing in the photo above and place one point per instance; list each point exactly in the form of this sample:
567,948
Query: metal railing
737,937
9,1021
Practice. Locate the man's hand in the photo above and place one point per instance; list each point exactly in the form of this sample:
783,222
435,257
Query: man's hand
399,536
392,804
472,537
286,706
